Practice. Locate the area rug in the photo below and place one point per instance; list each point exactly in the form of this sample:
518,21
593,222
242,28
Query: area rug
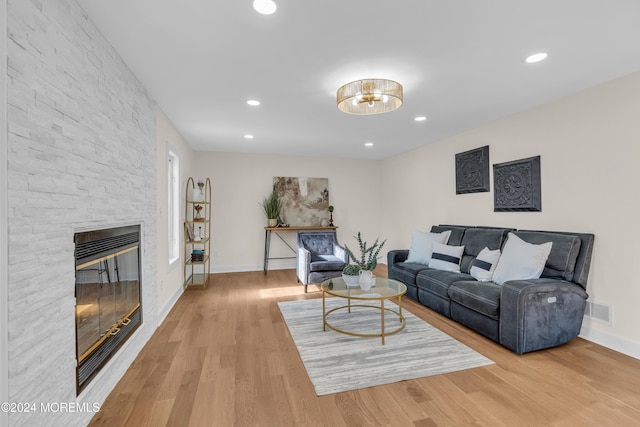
336,362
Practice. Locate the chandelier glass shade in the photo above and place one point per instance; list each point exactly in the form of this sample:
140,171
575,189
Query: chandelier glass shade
369,96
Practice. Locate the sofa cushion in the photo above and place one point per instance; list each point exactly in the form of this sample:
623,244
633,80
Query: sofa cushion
485,264
482,297
406,272
456,233
438,282
476,239
561,262
422,245
446,258
521,260
326,263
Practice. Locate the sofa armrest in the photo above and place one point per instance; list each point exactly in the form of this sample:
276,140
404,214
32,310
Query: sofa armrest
540,313
303,262
397,255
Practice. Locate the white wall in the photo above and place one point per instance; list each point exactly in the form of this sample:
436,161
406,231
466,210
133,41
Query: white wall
170,277
241,181
589,145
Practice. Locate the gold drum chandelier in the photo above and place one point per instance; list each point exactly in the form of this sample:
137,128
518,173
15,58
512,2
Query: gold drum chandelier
370,96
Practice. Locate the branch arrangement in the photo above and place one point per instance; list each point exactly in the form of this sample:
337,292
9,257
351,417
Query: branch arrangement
368,255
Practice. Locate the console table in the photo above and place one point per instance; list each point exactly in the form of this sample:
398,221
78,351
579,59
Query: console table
277,231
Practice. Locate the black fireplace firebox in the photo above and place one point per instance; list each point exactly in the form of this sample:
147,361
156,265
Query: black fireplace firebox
108,303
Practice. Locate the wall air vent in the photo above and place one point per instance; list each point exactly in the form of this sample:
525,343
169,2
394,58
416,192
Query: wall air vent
598,311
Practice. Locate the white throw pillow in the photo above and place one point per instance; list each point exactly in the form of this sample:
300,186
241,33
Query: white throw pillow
485,264
446,258
422,245
521,260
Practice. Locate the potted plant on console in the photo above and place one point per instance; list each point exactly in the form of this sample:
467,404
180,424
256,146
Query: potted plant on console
272,205
360,270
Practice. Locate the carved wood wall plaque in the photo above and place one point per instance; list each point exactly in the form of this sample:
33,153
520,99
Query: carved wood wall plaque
517,186
472,171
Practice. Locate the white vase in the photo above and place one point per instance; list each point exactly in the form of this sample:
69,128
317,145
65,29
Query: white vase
197,195
365,280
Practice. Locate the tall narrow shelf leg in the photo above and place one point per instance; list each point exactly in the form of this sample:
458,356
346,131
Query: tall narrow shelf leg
267,243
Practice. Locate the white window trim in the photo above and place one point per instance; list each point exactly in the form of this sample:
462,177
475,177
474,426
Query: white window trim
173,207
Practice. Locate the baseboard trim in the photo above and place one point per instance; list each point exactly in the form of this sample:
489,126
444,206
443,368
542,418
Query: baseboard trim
621,345
245,268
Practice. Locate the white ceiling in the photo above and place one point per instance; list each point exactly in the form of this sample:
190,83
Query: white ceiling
461,63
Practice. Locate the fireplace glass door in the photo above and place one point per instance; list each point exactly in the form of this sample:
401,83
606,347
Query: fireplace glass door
107,290
108,304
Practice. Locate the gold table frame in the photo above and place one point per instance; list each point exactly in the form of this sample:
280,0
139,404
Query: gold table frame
389,289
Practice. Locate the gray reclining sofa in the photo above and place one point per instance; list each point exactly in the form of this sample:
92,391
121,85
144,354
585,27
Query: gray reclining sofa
522,315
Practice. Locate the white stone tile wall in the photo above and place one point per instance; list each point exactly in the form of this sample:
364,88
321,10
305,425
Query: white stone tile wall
4,244
81,155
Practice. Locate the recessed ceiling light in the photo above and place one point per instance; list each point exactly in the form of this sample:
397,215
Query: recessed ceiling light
420,119
368,144
536,57
265,7
253,102
248,136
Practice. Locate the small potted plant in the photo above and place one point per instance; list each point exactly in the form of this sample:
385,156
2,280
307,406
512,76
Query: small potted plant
272,205
366,263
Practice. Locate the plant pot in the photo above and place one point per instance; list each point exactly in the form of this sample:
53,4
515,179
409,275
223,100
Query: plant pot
351,280
272,222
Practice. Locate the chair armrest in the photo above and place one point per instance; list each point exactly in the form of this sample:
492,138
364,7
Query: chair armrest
340,253
540,313
397,255
521,288
303,262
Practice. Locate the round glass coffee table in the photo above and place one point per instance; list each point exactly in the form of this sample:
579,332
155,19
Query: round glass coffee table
384,289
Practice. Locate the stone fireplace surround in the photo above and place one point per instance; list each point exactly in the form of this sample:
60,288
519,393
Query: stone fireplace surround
82,154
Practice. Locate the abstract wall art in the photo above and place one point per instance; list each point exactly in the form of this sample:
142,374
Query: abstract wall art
305,200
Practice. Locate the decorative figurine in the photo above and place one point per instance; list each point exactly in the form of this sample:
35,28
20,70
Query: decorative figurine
201,187
198,217
198,193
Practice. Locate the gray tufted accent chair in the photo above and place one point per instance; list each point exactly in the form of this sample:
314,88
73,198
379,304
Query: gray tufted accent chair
318,257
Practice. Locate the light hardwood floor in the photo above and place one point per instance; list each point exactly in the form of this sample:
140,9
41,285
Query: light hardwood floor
224,357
